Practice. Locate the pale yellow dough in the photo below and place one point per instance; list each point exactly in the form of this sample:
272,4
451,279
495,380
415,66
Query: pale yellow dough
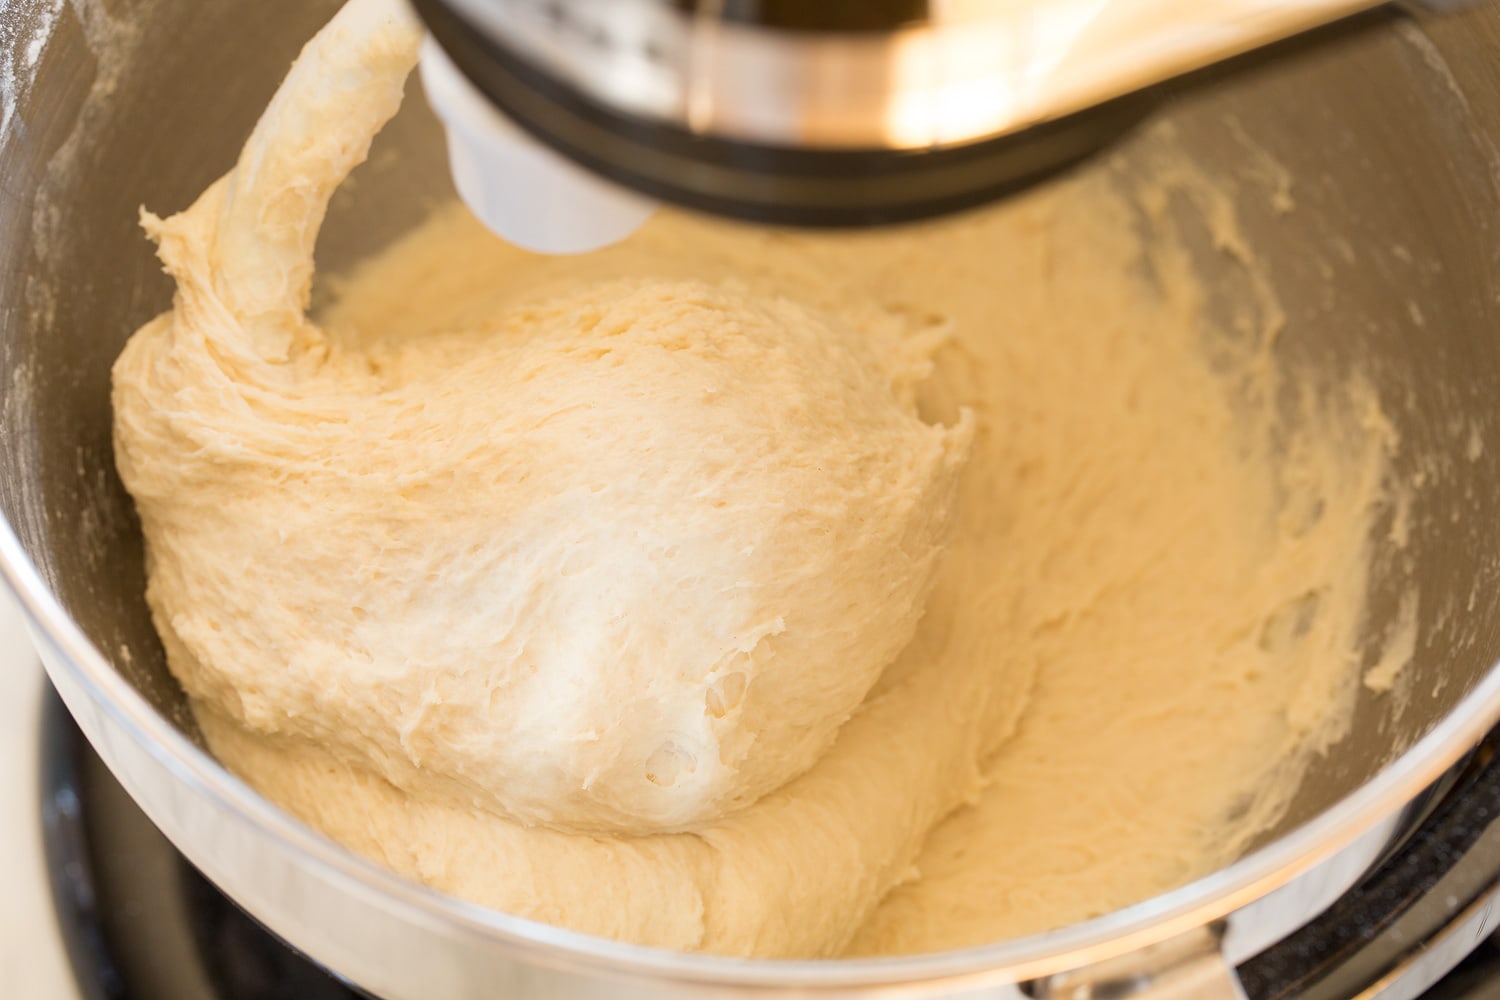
593,589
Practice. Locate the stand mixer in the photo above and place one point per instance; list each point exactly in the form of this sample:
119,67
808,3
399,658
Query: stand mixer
566,119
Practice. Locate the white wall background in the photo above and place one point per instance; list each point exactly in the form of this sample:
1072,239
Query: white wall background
32,963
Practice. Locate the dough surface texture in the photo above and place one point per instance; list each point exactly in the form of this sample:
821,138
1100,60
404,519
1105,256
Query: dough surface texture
627,566
736,590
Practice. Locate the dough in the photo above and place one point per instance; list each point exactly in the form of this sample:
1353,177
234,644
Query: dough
627,566
592,589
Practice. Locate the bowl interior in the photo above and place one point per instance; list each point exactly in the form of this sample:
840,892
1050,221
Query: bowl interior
1386,265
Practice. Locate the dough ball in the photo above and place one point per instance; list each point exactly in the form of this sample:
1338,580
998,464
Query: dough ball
627,566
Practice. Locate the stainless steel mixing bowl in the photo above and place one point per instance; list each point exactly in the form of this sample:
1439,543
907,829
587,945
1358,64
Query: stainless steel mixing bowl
1389,262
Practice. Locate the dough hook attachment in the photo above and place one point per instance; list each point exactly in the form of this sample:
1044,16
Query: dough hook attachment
802,114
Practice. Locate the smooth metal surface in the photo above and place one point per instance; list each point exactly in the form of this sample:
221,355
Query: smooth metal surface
1413,918
1366,183
943,74
1424,965
811,114
1427,963
1190,967
757,182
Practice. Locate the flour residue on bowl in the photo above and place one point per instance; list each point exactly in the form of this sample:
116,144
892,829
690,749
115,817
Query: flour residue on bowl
24,33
